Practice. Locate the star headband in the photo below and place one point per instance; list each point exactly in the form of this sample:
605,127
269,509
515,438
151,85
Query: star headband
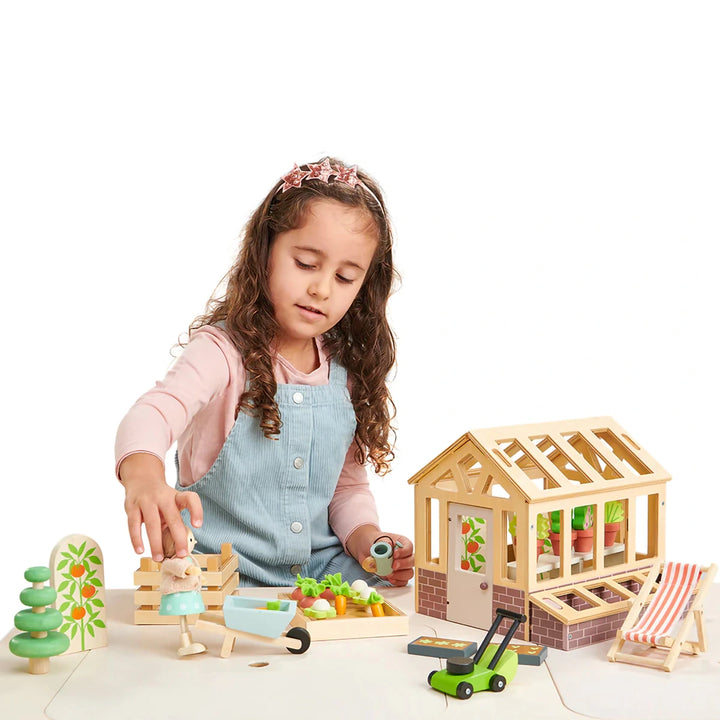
323,171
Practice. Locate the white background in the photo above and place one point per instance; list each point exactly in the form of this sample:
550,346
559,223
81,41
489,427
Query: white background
551,169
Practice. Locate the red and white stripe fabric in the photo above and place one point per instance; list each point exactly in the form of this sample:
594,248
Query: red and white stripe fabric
676,587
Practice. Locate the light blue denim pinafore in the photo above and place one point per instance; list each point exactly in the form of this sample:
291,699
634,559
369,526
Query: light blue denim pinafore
270,498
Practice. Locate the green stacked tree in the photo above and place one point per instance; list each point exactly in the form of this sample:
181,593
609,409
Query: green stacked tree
39,641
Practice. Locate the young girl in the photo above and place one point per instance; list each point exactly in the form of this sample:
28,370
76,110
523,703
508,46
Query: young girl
280,397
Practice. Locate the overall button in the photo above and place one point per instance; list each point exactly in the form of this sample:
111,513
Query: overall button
298,463
296,569
296,527
298,398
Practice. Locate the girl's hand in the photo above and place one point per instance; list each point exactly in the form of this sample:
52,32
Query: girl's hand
150,500
403,557
403,561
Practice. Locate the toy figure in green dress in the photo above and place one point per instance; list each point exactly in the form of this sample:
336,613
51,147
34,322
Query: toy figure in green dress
180,587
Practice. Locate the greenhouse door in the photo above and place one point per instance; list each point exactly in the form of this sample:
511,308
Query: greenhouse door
470,574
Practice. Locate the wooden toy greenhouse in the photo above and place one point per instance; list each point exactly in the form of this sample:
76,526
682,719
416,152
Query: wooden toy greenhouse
560,521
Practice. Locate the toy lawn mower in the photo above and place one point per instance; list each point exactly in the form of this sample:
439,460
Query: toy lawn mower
491,668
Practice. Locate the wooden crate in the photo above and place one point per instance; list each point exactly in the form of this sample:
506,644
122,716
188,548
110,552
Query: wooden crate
219,578
357,622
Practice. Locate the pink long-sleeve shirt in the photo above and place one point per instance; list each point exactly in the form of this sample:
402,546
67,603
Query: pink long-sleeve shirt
195,405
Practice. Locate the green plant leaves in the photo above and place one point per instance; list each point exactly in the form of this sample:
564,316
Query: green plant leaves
79,575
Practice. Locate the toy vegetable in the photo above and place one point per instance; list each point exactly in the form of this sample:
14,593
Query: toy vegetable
376,604
306,591
339,590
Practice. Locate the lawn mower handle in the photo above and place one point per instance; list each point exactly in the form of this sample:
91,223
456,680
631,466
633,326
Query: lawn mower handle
512,615
500,613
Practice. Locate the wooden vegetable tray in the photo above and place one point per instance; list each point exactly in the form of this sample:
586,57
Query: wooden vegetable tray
357,622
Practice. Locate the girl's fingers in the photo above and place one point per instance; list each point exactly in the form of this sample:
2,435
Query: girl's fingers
190,501
178,531
403,562
400,578
134,518
160,509
170,512
153,529
407,547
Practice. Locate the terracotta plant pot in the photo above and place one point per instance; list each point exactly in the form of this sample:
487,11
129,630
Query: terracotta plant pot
540,545
584,541
555,541
611,530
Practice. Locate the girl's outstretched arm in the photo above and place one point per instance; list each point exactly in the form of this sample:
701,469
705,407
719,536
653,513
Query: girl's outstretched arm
359,542
150,500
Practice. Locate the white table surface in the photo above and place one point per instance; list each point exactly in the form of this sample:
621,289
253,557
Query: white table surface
139,676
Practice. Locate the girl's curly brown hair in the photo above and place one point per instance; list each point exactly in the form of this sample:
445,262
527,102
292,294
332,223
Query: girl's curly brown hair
362,342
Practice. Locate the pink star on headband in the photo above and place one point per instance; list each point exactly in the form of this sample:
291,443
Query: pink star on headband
322,171
347,175
294,178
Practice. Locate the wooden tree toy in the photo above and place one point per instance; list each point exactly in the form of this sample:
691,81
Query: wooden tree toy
40,641
77,574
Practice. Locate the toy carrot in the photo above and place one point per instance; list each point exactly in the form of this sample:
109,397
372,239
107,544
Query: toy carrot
375,602
377,610
340,604
338,590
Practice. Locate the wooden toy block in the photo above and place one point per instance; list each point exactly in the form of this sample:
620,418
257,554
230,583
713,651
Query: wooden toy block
76,563
358,622
441,647
219,577
529,654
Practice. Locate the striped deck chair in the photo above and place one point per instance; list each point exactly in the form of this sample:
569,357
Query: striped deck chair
682,586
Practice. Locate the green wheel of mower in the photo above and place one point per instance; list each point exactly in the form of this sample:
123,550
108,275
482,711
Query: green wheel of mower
464,690
497,683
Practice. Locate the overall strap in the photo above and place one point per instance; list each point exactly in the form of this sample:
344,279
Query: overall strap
338,374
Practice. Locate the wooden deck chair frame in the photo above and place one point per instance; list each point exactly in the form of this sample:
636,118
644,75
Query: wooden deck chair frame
674,644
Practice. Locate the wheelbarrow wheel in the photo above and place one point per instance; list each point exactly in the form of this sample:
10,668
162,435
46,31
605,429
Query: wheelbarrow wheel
301,634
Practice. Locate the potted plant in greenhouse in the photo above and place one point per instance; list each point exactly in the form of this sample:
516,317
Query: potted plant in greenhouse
555,532
614,515
543,532
582,521
542,525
